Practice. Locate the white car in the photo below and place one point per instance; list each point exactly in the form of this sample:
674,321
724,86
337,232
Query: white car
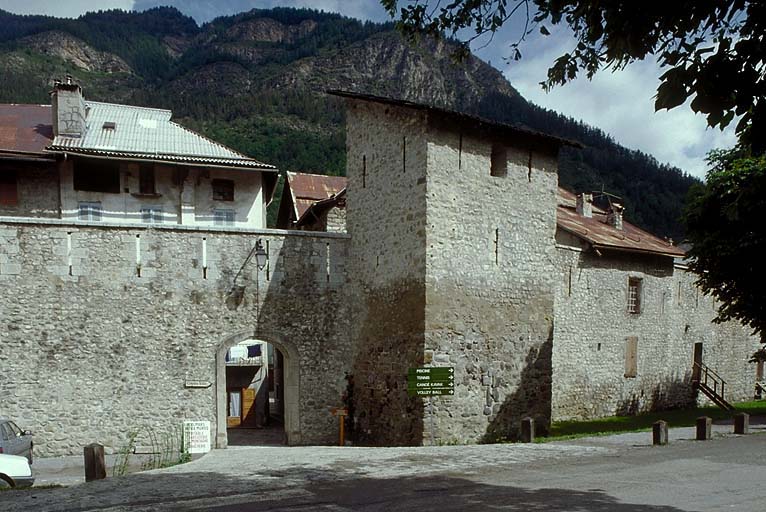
15,471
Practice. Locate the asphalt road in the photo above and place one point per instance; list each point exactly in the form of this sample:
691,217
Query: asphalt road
619,473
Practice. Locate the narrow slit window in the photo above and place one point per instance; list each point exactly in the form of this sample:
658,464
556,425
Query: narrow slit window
499,161
634,296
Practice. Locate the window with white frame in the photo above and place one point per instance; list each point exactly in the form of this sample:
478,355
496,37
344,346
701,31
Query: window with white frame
223,217
634,295
90,210
151,215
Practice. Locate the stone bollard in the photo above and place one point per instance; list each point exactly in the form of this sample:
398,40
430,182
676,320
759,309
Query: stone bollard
704,428
742,423
95,468
660,433
528,430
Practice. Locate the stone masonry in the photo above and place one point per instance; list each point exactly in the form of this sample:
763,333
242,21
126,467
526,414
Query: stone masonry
91,350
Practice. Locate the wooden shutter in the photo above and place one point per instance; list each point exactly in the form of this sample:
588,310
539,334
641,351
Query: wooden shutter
631,356
8,189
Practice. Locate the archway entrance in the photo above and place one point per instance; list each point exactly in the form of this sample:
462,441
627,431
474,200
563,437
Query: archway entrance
256,391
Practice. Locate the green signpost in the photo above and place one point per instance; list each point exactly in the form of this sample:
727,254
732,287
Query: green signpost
431,381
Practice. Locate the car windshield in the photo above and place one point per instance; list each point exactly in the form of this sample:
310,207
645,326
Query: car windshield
5,432
15,429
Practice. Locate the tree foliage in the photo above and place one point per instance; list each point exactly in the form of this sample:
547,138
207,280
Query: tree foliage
724,221
712,51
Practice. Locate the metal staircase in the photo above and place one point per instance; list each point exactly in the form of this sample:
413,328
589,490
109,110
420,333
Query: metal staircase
711,384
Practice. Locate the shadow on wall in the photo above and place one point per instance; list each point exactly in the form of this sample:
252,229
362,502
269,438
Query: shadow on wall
668,393
532,397
335,489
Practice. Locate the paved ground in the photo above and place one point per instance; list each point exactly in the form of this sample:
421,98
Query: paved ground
617,473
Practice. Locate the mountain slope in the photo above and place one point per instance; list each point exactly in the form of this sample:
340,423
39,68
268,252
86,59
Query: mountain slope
256,82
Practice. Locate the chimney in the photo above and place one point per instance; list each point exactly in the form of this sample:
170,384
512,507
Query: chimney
585,204
614,217
68,108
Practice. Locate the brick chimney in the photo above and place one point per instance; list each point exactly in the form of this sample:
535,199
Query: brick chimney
69,110
585,204
614,216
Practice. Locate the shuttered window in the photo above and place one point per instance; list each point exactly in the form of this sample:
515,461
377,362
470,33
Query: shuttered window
631,356
8,188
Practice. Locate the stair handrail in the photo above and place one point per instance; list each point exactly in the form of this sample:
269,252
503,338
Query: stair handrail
709,372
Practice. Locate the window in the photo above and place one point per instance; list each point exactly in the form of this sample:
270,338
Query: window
8,188
90,211
146,180
151,215
631,356
634,295
223,190
97,176
499,161
223,217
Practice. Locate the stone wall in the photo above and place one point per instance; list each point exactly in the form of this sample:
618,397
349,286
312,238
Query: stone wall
386,218
93,351
489,286
592,325
37,191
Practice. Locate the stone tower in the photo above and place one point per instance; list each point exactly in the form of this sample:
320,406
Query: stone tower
452,224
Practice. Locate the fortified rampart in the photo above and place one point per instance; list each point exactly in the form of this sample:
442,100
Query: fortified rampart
105,329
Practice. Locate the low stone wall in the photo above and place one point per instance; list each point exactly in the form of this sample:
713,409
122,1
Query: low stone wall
105,329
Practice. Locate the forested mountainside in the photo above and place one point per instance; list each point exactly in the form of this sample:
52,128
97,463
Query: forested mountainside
256,82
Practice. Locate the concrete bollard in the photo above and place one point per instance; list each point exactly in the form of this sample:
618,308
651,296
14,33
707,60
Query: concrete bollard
660,433
95,468
704,428
742,423
527,430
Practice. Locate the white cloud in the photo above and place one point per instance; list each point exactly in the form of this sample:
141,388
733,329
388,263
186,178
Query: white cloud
65,9
620,103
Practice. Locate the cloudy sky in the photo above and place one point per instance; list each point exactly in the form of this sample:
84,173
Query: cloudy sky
620,103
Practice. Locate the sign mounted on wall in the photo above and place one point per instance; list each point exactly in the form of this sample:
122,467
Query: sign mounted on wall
197,436
431,381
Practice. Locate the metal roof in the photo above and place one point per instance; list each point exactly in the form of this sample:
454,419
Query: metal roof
25,129
125,131
596,231
496,127
307,189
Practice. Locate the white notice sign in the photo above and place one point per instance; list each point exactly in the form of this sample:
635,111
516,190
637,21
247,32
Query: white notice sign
197,436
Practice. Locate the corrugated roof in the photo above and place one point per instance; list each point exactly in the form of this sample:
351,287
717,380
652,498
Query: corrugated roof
126,131
497,127
25,128
600,234
306,189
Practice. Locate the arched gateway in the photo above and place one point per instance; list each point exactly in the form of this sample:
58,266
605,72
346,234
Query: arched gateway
291,369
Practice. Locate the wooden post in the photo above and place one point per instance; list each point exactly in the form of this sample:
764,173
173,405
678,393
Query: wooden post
704,428
528,430
341,413
660,433
95,468
742,423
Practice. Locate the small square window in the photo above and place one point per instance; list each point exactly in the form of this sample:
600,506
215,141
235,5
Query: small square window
499,161
90,211
634,295
223,190
146,183
151,215
223,217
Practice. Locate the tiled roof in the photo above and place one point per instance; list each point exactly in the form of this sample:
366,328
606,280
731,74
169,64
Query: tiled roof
307,189
601,235
125,131
25,128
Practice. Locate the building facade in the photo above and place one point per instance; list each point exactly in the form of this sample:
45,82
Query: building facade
461,251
